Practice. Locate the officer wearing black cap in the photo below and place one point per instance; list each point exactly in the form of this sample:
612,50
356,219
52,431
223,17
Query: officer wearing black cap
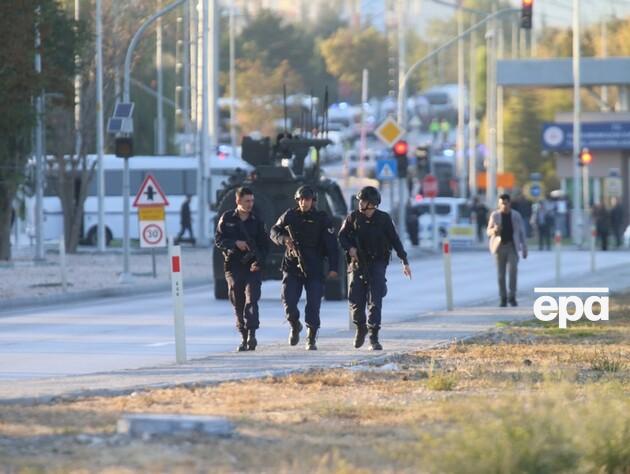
308,235
368,236
242,237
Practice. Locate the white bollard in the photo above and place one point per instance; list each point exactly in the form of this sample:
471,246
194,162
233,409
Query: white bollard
448,275
62,264
558,247
177,288
593,240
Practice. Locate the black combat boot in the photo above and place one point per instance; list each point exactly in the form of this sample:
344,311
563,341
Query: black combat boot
243,346
251,339
311,334
294,335
376,346
359,337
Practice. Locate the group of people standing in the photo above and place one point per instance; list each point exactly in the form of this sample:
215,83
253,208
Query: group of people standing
308,235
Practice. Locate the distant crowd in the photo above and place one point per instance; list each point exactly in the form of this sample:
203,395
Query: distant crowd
543,218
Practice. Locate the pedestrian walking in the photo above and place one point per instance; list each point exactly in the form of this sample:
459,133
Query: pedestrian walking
308,235
368,236
242,238
601,217
481,216
185,221
507,237
543,220
616,220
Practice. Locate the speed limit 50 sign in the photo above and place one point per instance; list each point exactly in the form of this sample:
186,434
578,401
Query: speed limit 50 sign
152,234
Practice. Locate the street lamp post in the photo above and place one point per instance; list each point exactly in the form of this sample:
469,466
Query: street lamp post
577,218
125,276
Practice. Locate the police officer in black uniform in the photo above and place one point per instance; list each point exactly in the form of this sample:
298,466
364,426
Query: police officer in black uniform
368,236
308,235
242,238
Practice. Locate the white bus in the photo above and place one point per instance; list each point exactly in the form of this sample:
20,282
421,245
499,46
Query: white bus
176,175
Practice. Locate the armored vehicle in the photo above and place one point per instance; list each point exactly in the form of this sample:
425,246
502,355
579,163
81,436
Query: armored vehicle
279,169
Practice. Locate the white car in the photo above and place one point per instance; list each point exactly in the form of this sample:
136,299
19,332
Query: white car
452,219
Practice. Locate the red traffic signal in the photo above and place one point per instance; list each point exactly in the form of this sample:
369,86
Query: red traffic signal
401,148
527,7
586,157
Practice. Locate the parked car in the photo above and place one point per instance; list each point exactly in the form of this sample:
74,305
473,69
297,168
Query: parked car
452,219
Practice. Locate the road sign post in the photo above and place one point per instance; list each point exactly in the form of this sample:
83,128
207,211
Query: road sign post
430,189
558,247
150,201
448,274
389,132
177,289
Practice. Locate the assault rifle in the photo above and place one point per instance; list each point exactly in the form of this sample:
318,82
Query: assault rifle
297,253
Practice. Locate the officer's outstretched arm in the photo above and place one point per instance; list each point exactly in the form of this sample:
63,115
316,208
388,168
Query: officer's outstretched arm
392,236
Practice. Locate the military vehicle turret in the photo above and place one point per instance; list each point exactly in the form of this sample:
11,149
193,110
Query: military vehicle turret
279,169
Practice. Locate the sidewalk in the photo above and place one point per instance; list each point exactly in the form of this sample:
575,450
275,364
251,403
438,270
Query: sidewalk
25,283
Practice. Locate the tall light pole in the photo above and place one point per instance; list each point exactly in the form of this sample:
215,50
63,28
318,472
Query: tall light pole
500,52
402,106
125,276
232,81
160,138
472,119
39,149
461,113
491,107
576,221
209,115
100,172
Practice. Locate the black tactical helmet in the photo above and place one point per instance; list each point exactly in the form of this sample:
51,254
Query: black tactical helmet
305,192
369,194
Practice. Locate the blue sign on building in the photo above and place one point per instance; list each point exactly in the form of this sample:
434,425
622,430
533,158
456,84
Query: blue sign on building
595,136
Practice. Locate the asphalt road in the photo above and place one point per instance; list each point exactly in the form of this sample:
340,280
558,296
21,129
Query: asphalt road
133,332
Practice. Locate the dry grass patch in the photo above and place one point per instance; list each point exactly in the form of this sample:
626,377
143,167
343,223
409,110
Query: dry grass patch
522,398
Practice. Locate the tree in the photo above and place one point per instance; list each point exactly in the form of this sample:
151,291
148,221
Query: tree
259,91
19,85
348,52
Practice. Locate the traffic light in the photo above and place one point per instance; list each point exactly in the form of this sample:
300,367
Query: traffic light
586,157
423,160
526,14
124,147
401,148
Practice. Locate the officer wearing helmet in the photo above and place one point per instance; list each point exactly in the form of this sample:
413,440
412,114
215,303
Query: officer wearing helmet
368,236
308,235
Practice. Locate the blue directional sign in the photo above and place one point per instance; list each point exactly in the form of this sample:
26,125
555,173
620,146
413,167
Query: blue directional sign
595,136
386,169
535,190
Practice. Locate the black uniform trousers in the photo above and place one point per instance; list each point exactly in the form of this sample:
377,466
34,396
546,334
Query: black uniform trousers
292,286
244,293
368,294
